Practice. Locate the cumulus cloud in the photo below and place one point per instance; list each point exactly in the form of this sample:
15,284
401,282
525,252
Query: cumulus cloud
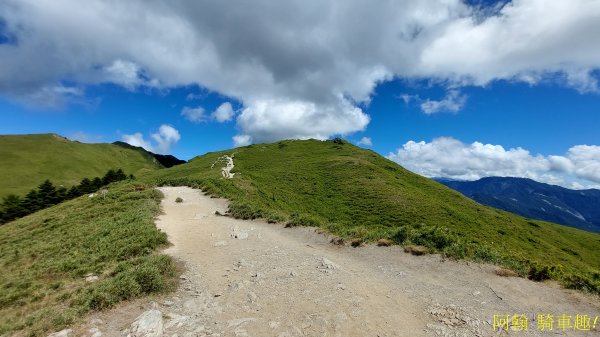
163,140
454,101
365,141
310,61
194,115
137,139
241,140
271,120
450,158
223,113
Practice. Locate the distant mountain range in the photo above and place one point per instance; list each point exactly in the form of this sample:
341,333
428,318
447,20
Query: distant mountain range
529,198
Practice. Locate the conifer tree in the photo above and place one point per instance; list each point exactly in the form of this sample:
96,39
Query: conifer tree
47,194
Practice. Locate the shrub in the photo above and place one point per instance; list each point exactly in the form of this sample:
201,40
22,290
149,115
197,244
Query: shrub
582,283
356,243
301,220
338,140
538,273
434,237
337,241
401,235
244,211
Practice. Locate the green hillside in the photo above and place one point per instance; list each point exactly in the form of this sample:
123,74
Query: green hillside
28,160
362,196
45,257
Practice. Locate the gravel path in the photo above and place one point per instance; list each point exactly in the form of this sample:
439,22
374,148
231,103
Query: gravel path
249,278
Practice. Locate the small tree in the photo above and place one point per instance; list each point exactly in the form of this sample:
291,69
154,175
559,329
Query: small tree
12,208
47,194
86,186
120,175
109,177
32,203
97,182
73,192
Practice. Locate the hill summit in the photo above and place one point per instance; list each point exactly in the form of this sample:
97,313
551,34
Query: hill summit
362,196
31,159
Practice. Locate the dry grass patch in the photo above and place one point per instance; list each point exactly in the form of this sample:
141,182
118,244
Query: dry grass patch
384,242
505,272
416,250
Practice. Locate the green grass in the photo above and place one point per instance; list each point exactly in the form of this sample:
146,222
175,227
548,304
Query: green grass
45,256
28,160
357,194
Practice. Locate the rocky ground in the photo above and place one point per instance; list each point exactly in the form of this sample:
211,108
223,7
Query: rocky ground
249,278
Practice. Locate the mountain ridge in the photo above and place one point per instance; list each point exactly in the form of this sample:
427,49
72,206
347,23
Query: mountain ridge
529,198
165,160
31,159
361,196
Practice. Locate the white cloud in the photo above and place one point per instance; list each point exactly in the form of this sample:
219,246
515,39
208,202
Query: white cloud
166,137
192,97
195,115
366,141
271,120
241,140
450,158
126,74
53,96
224,113
137,139
310,60
454,101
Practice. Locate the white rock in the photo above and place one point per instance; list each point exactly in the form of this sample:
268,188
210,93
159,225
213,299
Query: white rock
175,320
252,297
148,324
234,323
95,332
91,278
328,264
96,321
62,333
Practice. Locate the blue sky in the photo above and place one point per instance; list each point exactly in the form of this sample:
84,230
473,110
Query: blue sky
445,88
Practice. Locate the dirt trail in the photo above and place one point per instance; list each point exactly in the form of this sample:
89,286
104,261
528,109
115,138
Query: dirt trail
249,278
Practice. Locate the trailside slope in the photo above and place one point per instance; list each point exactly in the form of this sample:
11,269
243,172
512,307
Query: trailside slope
28,160
358,194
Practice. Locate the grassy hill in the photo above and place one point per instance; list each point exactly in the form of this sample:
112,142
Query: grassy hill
28,160
361,196
44,258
